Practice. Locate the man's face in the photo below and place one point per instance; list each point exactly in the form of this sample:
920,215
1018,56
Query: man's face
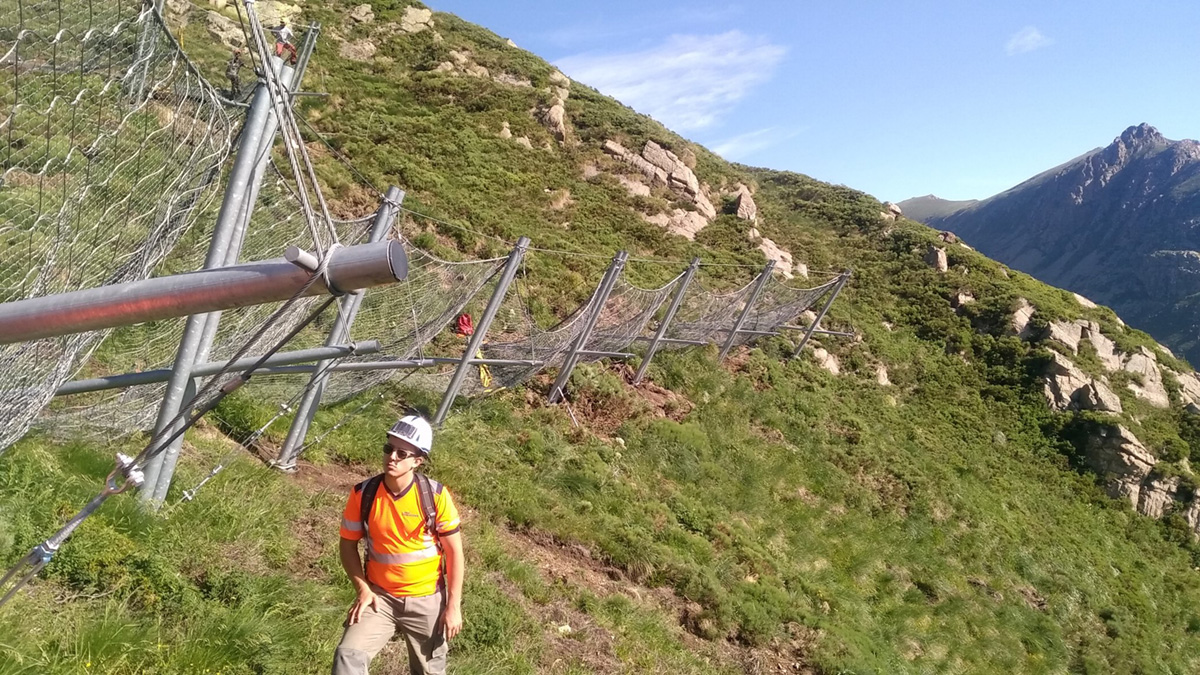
400,457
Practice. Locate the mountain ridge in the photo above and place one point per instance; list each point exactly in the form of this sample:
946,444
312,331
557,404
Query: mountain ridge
1105,224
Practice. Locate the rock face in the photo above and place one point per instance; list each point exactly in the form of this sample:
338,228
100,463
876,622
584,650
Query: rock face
1151,388
416,19
1117,225
936,257
1116,453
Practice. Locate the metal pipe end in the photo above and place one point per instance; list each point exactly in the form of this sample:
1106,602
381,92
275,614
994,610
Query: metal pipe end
301,258
397,259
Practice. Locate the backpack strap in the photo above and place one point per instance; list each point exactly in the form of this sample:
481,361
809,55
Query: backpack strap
425,489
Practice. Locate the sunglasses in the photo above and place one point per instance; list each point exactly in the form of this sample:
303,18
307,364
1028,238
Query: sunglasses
388,451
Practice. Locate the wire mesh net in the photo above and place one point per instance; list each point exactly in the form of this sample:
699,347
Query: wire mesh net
776,305
113,146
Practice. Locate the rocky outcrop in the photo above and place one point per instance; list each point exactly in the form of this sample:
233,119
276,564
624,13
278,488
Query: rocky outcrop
893,209
1106,349
636,188
1020,319
1150,389
362,13
961,299
555,119
1157,495
936,257
1189,387
663,167
416,19
1068,333
782,258
1068,388
1115,453
1084,301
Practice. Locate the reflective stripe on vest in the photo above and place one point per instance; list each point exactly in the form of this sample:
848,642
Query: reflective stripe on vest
400,558
352,525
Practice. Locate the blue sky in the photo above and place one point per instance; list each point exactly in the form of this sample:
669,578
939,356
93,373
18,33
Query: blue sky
898,99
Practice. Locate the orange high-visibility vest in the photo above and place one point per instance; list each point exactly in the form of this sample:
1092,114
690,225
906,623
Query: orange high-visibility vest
402,557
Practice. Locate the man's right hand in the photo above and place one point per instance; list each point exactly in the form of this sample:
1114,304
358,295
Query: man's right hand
365,599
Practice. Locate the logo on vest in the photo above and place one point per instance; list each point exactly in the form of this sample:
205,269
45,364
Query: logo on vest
408,515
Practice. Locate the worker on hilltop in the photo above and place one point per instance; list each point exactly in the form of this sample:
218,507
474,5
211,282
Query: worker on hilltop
233,71
284,41
414,566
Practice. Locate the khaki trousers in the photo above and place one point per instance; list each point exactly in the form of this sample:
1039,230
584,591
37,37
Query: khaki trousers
419,619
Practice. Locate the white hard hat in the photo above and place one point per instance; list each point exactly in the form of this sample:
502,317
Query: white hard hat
414,429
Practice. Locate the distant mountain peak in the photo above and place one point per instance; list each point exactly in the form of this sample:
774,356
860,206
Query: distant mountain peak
1142,135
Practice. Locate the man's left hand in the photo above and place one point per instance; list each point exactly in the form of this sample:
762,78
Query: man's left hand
452,621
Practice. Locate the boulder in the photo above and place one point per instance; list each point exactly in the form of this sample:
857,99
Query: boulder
936,257
555,120
681,222
948,237
1021,316
800,270
826,360
753,234
557,79
1084,301
225,30
505,132
1151,389
782,258
523,140
416,19
476,70
961,299
893,209
1114,452
746,209
881,375
363,13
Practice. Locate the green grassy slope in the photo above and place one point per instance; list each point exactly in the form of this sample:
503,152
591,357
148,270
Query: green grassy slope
751,515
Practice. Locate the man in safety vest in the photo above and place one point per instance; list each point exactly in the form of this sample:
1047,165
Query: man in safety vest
414,559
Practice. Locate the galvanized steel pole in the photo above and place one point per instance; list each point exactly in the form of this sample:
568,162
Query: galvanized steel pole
817,322
758,286
666,320
338,334
485,322
601,296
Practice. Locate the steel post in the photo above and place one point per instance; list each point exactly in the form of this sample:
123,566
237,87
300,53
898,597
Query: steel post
338,334
485,322
758,286
237,234
598,299
817,322
231,206
666,320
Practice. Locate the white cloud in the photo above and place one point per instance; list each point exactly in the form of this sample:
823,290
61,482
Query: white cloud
687,83
742,146
1025,40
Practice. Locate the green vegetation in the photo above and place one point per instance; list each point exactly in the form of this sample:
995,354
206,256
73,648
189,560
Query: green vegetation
754,513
